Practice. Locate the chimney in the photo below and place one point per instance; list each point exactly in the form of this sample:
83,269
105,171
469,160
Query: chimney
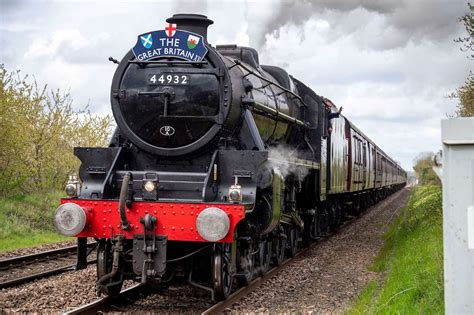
195,23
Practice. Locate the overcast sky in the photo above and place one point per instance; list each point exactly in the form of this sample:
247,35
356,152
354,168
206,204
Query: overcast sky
390,64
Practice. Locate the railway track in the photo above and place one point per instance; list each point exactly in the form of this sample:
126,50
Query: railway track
126,295
21,269
139,291
221,306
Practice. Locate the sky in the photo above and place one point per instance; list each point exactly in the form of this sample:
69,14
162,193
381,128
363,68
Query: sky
391,64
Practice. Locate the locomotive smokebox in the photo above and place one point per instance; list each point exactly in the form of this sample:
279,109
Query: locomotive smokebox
195,23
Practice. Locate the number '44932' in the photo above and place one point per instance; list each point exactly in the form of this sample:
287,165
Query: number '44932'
168,79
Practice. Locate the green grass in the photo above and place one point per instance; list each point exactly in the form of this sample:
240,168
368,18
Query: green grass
26,220
411,261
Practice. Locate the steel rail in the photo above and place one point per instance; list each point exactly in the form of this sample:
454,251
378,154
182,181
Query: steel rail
98,305
39,275
31,259
23,260
221,306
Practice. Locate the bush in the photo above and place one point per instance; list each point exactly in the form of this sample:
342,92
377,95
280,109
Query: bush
424,169
38,131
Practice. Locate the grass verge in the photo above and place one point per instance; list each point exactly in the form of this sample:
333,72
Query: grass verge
26,220
411,261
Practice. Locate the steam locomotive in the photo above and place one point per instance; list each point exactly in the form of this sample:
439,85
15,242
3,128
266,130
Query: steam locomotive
219,167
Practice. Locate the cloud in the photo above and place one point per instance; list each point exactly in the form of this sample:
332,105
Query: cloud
189,6
8,6
70,45
406,19
390,63
396,96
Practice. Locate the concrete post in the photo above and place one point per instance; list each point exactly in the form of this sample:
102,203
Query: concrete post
458,214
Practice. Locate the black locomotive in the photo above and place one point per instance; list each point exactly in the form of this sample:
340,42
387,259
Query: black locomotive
219,167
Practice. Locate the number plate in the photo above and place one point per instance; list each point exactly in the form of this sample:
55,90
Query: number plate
168,79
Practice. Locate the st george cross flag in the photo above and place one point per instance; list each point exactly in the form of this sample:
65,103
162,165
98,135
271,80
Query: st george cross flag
170,29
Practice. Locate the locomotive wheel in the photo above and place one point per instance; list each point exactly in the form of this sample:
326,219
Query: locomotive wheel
362,205
335,219
338,213
104,265
264,256
246,266
310,232
279,247
323,221
357,207
221,272
292,236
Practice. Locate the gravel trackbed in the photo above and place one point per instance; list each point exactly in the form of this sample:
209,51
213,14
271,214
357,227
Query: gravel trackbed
327,278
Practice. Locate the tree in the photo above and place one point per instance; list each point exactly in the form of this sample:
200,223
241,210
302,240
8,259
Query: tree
38,131
467,41
424,169
465,93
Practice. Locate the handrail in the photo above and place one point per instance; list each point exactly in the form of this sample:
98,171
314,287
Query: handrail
250,71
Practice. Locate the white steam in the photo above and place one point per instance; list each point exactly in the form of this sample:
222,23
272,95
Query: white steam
283,161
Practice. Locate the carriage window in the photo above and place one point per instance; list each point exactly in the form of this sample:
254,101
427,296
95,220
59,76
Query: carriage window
365,156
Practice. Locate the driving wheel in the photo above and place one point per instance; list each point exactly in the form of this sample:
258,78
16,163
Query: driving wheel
221,272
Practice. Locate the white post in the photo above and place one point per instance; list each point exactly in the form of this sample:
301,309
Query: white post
458,214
